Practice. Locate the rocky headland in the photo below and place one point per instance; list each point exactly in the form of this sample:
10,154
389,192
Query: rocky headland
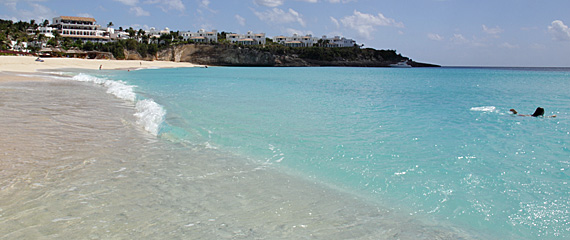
277,56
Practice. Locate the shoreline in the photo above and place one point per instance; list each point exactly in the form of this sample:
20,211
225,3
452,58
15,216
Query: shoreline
28,64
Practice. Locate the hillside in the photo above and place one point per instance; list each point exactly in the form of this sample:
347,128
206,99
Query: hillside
277,56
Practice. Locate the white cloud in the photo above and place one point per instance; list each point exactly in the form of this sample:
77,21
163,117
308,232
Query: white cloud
335,22
276,3
365,23
341,1
205,3
291,31
32,11
509,46
84,15
139,12
240,20
269,3
435,37
493,31
128,2
559,31
166,5
276,15
459,39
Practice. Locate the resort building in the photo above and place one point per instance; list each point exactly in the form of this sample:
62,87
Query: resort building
296,40
80,28
201,36
247,39
46,31
153,33
310,41
337,41
117,35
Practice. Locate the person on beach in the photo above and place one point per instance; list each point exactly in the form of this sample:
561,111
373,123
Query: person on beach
539,112
100,67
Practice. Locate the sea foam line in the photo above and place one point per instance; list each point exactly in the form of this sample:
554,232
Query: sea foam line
484,109
150,115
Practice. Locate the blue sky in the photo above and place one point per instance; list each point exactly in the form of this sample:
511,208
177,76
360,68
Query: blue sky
446,32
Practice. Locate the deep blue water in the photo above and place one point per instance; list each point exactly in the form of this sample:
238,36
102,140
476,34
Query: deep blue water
438,143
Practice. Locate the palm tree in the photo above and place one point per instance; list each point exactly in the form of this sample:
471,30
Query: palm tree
132,32
56,37
45,23
140,33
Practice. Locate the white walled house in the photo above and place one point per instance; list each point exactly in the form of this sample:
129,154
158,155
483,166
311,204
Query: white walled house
247,39
296,40
338,41
153,33
46,31
80,28
310,41
19,46
201,36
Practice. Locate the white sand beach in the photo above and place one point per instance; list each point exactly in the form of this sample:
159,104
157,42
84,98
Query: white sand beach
28,64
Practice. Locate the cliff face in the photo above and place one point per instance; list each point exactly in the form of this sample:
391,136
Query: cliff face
217,55
231,55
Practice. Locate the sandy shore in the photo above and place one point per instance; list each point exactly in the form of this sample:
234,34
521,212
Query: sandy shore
27,64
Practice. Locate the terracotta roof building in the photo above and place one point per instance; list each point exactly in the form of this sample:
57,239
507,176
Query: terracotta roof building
80,28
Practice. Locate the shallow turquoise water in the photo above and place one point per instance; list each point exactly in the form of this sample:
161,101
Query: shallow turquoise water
438,143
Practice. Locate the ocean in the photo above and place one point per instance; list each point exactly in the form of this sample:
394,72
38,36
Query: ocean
329,153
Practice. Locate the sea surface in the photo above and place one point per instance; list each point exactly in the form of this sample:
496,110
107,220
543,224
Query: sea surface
371,153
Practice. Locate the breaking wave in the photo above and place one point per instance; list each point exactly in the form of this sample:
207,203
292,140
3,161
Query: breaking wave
150,115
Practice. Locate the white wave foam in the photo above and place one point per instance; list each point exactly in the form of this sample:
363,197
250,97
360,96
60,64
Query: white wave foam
150,115
118,88
484,109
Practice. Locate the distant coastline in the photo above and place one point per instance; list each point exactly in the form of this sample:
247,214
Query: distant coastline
257,56
81,37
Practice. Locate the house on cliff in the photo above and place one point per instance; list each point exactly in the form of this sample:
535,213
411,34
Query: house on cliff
247,39
310,41
201,36
296,40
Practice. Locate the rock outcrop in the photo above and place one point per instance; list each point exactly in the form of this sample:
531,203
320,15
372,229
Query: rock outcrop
232,55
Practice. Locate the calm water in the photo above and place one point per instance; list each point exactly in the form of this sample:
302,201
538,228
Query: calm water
432,144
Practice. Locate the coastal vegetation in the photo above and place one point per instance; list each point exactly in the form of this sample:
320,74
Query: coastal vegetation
141,46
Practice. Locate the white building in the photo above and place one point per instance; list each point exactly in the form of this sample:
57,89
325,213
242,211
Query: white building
310,41
80,28
296,40
153,33
19,46
201,36
46,31
116,34
247,39
338,41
